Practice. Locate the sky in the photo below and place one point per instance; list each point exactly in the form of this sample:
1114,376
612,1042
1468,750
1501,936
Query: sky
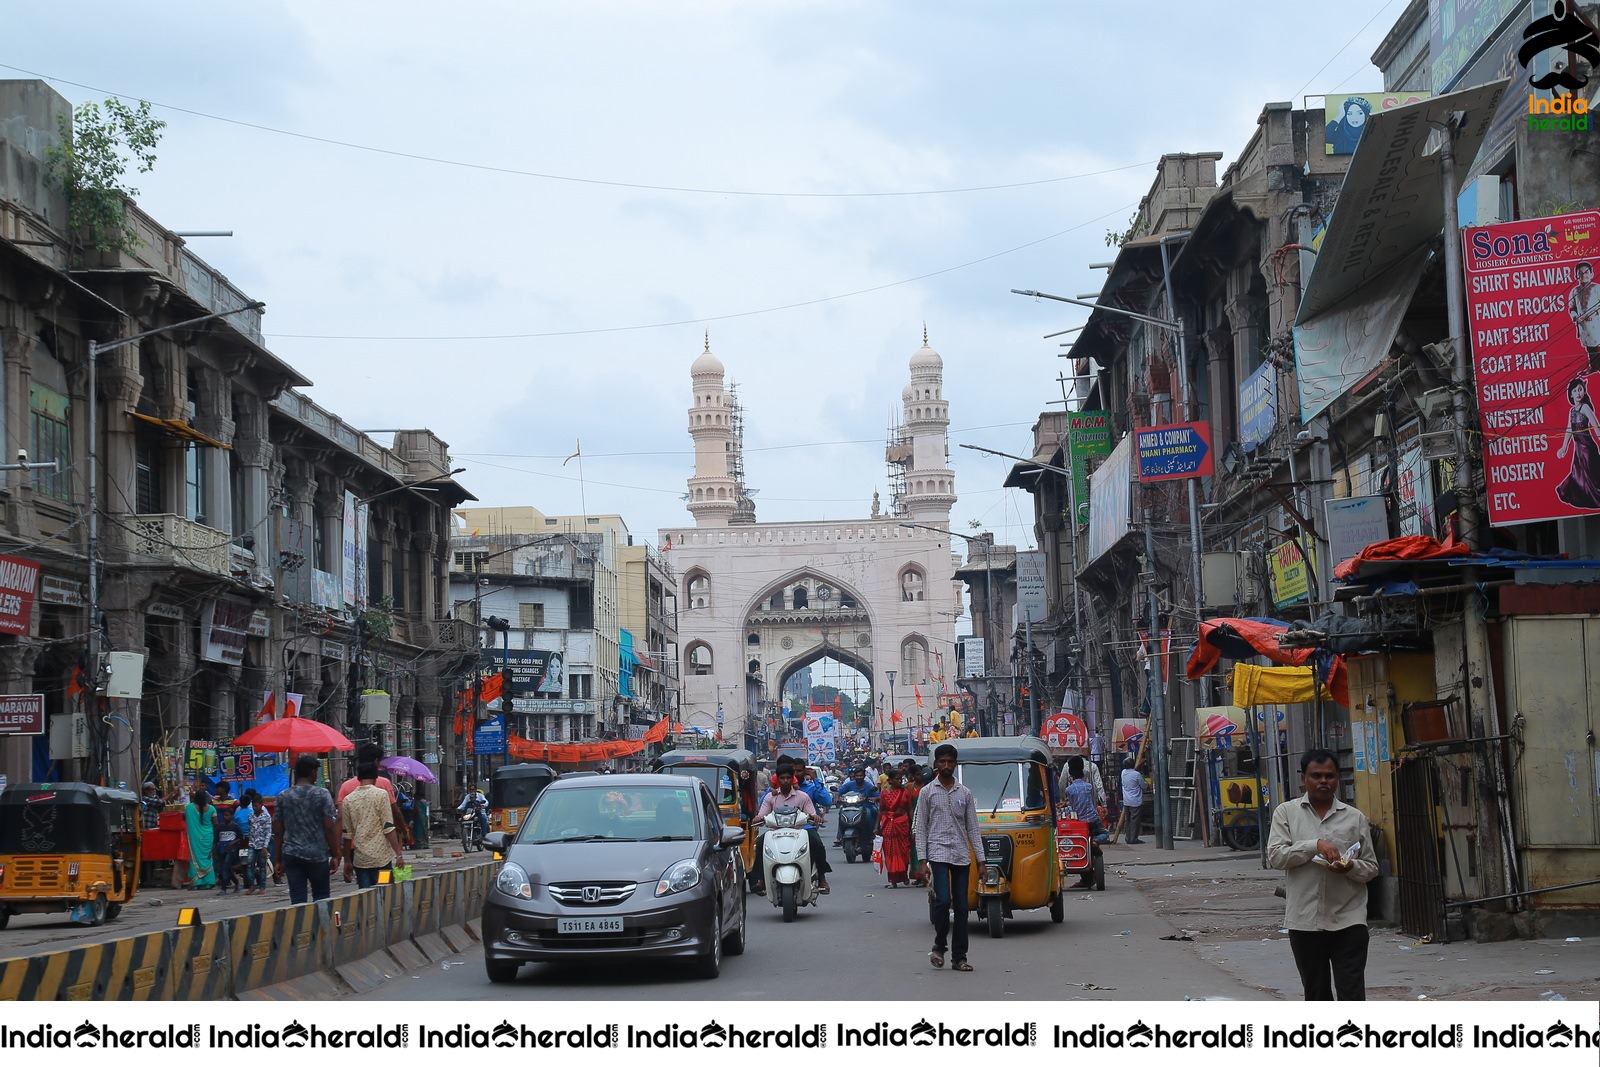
514,223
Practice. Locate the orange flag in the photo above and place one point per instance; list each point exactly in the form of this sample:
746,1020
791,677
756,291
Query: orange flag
918,692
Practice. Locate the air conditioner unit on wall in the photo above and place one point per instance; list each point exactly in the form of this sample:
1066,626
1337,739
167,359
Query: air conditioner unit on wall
375,707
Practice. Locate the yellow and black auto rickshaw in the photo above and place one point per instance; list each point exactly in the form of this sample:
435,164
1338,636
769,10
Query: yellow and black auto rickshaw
512,791
67,846
1011,781
731,774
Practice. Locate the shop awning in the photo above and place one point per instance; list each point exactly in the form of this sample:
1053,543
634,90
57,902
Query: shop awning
1389,212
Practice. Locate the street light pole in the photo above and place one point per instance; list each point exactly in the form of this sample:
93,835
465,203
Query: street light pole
102,756
889,674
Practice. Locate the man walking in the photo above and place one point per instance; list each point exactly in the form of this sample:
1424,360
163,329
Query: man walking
370,837
1324,846
1132,801
946,832
305,834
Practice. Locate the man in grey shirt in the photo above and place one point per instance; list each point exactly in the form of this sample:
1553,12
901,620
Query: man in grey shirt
946,831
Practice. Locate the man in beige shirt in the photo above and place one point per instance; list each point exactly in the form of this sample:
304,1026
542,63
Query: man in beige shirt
370,840
1324,848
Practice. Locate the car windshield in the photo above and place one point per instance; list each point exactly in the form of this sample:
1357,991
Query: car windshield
633,813
1002,786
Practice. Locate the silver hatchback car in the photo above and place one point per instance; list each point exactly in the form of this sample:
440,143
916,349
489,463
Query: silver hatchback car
619,868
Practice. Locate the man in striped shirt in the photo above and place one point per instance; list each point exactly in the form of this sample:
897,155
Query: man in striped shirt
946,831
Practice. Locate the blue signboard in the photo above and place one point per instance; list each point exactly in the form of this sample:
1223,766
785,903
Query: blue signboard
490,738
1258,407
1182,450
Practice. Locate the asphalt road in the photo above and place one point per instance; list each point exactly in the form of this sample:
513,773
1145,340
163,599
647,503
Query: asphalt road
869,942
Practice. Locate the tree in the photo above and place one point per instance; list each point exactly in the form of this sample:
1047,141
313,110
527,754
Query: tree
88,166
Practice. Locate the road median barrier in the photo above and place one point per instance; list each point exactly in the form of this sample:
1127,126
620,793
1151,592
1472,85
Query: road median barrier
310,951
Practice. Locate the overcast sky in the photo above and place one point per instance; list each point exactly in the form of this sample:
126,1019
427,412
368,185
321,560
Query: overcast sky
513,222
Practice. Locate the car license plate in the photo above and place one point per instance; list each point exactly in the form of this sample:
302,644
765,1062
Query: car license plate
599,925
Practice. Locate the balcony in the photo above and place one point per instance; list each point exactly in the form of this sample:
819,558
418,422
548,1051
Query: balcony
170,541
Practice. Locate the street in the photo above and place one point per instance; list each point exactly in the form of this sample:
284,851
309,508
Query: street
871,943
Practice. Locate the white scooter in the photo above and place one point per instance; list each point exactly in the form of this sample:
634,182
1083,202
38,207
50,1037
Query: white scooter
787,868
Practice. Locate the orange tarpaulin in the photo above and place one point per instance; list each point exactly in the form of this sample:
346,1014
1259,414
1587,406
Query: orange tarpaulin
584,752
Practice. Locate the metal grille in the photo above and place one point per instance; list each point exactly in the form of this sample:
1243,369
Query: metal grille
36,875
599,893
1417,847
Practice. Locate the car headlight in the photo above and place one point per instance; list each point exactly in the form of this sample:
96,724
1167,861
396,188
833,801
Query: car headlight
685,874
513,882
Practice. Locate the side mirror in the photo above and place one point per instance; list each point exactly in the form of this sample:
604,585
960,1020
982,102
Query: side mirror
731,836
496,841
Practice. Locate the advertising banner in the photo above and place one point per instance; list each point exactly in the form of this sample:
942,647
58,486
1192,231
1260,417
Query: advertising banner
1088,434
1534,314
18,581
1346,116
1181,450
1111,496
1291,577
1031,594
1064,732
1258,407
532,670
236,763
21,714
224,629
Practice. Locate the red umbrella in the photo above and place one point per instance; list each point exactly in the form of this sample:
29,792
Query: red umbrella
294,734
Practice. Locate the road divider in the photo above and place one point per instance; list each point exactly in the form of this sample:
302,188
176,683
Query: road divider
298,951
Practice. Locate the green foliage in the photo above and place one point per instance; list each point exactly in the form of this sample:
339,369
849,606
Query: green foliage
97,146
1117,240
378,619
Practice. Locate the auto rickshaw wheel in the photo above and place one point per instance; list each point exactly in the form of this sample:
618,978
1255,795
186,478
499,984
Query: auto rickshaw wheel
994,915
112,911
98,909
1098,866
1058,908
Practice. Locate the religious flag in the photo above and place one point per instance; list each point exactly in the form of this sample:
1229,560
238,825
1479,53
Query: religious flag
269,708
918,693
75,684
894,717
291,704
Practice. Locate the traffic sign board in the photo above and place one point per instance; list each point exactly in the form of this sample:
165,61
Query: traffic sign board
1181,450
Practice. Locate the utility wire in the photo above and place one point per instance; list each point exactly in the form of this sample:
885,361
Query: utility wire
611,183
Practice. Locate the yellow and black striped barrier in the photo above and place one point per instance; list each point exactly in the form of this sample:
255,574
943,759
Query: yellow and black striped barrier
269,947
422,918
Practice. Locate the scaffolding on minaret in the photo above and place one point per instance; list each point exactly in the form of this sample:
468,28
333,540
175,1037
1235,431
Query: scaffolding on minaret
897,452
744,511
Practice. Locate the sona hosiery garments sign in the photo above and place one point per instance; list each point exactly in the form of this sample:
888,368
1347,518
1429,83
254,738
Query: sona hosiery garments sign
1534,313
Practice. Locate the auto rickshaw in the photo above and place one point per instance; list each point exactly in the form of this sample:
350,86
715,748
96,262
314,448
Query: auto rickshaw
1020,868
68,846
731,774
512,791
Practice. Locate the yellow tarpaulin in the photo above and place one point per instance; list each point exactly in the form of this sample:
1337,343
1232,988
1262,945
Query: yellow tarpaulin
1254,685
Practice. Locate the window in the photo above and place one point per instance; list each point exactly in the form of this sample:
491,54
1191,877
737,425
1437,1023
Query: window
194,482
699,590
699,659
530,616
580,686
51,440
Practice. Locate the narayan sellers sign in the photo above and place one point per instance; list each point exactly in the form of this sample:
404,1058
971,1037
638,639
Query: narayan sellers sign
21,714
18,580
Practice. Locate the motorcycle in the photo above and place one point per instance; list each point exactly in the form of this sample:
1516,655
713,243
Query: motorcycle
471,832
786,866
856,826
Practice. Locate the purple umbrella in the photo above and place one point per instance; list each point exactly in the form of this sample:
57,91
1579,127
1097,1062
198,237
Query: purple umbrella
406,767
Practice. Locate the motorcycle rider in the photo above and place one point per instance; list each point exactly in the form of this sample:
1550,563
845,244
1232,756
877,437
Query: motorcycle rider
857,783
786,794
477,804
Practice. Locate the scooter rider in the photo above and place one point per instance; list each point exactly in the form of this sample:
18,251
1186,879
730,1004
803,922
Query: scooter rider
785,794
857,783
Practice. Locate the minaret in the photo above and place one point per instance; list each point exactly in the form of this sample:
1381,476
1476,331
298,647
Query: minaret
930,483
713,490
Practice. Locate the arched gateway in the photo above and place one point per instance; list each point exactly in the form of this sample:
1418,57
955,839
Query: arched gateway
759,601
